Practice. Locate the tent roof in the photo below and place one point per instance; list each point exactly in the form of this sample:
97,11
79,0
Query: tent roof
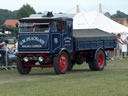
97,20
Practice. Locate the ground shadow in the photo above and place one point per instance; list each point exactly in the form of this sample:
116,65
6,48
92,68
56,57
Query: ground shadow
53,73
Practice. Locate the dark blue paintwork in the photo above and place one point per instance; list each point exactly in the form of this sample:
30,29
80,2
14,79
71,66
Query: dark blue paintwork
93,45
53,41
50,42
33,42
62,40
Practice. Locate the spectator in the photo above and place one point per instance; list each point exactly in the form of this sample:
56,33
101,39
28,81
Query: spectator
2,45
10,51
2,52
119,44
6,45
126,42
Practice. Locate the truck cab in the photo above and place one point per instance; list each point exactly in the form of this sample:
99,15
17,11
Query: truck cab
41,39
45,35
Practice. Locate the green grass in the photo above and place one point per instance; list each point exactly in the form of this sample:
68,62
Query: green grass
112,81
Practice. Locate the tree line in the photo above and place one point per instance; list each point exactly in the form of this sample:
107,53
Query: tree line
24,11
27,10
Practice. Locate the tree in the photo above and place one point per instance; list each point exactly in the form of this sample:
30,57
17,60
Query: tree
6,14
25,11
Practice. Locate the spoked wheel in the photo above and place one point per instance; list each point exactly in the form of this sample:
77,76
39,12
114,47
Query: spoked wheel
21,68
98,63
61,63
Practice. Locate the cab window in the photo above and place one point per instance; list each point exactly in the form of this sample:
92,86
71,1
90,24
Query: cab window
35,27
42,27
55,27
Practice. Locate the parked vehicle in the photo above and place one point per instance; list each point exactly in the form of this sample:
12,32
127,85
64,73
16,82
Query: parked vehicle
52,42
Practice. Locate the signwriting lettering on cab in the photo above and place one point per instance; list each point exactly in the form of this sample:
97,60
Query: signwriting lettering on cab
27,39
31,46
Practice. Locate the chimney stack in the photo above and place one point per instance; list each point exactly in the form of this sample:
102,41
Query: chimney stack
77,9
100,8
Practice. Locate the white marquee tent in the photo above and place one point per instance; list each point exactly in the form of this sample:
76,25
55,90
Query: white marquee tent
93,20
97,20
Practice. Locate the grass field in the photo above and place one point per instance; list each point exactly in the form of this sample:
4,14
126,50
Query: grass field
112,81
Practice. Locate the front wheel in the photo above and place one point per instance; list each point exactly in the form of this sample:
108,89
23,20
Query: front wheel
70,67
61,63
21,68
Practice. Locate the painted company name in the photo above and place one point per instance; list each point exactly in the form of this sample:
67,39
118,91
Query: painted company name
34,38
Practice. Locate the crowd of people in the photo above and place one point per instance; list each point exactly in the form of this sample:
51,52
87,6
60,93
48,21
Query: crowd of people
118,53
10,51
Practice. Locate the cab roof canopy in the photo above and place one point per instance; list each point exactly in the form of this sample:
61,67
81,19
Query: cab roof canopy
42,19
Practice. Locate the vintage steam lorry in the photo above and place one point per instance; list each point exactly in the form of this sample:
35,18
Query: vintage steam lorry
50,41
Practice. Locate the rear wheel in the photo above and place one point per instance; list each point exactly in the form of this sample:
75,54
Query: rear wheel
21,68
61,63
91,65
98,63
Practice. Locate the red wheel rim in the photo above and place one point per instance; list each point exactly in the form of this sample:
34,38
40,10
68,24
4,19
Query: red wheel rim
101,60
63,63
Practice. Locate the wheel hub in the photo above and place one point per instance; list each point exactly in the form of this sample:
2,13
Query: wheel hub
63,63
101,60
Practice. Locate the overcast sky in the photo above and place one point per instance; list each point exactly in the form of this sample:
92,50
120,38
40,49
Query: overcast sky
67,6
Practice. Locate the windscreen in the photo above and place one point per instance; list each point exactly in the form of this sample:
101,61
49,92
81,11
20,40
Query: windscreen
34,27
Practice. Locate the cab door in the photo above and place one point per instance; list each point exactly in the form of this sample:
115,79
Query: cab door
67,41
55,36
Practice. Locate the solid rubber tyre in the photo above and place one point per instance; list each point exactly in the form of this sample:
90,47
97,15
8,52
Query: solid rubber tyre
61,63
70,67
91,65
21,68
99,60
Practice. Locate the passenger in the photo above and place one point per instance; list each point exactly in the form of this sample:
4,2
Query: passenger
54,27
58,27
119,44
37,28
63,27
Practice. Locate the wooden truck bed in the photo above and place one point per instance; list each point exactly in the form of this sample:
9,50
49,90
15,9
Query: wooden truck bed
86,39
